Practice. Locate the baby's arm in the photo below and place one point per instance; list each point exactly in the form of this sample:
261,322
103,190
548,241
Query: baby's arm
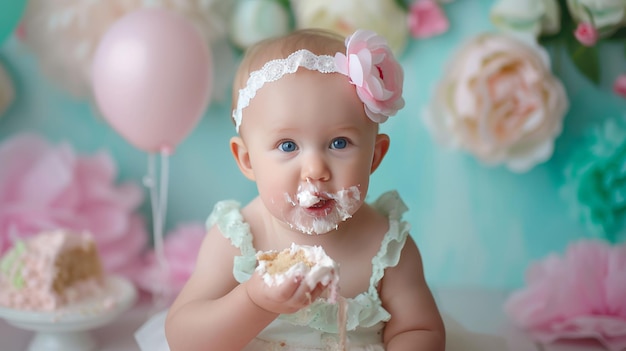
215,312
415,322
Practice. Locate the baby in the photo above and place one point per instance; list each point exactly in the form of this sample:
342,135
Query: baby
307,109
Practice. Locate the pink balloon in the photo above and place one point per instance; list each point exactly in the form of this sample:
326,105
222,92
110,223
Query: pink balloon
151,77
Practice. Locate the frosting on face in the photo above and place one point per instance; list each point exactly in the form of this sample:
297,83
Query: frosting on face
317,212
307,198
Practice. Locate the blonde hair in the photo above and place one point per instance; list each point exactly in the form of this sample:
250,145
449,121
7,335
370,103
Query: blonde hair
318,41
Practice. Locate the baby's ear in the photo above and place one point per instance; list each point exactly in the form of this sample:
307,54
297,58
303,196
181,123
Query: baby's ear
242,156
380,150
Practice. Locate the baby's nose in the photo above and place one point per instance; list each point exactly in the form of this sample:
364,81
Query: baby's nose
315,168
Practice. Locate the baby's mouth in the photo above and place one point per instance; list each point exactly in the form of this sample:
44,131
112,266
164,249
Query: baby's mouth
320,208
314,203
319,204
308,198
319,212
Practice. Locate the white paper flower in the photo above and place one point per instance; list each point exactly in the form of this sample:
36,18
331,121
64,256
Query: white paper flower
384,17
64,34
605,15
499,101
534,17
7,93
255,20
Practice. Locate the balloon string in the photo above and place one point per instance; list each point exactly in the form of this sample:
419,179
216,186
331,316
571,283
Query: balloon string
164,179
158,201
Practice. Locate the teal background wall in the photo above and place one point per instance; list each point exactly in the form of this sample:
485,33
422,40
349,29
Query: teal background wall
475,225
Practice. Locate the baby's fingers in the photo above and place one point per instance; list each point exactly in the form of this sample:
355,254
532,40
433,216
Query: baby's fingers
307,294
289,288
272,298
317,292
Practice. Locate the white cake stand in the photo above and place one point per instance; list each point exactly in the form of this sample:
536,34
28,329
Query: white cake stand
67,329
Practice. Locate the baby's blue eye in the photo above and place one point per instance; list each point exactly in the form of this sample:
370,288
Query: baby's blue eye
287,146
339,143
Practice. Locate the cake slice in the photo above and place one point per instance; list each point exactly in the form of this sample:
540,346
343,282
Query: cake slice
49,270
309,262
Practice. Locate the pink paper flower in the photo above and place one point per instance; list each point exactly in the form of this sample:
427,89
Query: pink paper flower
586,34
46,187
427,19
619,86
579,295
378,76
180,249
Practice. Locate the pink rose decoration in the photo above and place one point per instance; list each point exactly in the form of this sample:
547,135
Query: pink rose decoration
427,19
586,34
180,249
580,295
378,76
46,187
619,86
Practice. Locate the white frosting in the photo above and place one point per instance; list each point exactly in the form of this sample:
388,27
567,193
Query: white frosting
324,270
346,201
307,198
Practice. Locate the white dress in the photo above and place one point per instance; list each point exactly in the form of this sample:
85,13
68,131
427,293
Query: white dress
316,327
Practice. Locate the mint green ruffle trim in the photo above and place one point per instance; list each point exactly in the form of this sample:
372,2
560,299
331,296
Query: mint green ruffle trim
390,205
227,216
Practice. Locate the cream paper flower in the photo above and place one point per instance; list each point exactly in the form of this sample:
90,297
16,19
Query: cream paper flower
344,17
7,93
499,101
255,20
534,17
64,34
605,15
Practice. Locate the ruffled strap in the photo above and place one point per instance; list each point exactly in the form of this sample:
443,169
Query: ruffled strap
391,205
227,216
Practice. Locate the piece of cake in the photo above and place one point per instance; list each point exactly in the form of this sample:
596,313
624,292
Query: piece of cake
50,270
309,262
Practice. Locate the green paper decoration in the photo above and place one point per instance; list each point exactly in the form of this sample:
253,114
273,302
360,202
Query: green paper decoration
595,181
11,12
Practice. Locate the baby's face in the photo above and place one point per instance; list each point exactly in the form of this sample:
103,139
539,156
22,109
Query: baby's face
311,148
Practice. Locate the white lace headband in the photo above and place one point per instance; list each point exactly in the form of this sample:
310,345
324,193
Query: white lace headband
276,69
368,62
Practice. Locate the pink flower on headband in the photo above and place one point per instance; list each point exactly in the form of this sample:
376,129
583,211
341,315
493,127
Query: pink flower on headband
378,76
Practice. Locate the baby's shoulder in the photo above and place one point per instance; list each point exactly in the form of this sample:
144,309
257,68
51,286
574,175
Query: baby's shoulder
371,217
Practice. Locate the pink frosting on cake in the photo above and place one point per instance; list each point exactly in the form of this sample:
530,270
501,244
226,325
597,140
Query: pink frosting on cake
27,272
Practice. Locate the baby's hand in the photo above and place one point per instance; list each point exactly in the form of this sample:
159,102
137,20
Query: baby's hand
285,298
